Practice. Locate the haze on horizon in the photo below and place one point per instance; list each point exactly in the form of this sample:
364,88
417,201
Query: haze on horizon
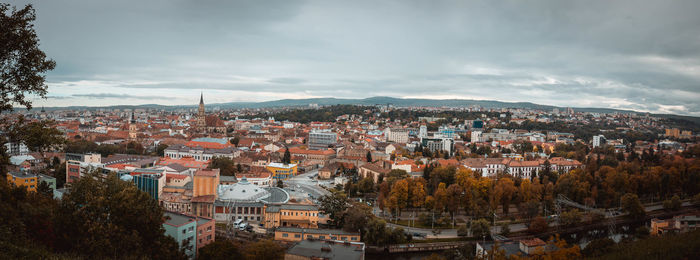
639,55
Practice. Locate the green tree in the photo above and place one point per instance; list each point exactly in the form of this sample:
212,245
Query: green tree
111,218
160,149
480,228
630,203
225,165
356,217
22,63
570,218
673,204
369,156
280,184
287,158
333,206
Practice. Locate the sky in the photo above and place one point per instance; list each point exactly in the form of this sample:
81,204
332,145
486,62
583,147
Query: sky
641,55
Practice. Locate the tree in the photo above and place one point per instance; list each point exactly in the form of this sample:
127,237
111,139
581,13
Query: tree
219,249
356,217
369,156
111,218
334,205
40,136
504,192
225,165
235,140
505,229
481,228
22,63
280,184
598,247
570,218
673,204
287,158
538,225
462,231
160,149
264,250
630,203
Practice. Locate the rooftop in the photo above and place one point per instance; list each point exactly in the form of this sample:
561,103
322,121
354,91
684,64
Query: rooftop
177,219
328,249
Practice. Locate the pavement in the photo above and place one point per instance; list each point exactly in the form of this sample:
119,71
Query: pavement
302,183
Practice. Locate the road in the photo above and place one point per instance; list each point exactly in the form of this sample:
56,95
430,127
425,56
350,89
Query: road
306,184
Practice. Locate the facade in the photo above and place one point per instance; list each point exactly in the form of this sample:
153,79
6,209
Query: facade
281,171
291,215
438,144
292,234
199,153
246,201
206,232
151,181
16,148
183,229
23,179
678,224
598,141
397,135
322,139
372,170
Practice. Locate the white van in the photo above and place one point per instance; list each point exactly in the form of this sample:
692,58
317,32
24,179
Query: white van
238,222
242,226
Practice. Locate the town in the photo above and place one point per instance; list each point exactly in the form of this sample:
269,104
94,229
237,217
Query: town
346,181
349,130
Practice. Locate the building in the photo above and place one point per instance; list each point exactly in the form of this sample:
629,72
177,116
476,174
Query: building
16,148
372,170
292,234
332,250
201,116
322,139
206,232
204,192
673,132
132,128
23,178
246,201
199,153
598,141
50,181
183,229
151,181
438,144
291,215
524,247
678,224
423,131
282,171
397,135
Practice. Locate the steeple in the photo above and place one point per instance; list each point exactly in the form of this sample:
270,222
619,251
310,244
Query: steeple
201,98
133,120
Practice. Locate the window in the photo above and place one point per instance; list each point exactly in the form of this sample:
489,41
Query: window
353,238
321,237
209,228
297,235
285,235
184,231
209,237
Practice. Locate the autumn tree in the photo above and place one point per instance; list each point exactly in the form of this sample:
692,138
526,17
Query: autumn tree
263,250
334,205
225,165
480,228
504,191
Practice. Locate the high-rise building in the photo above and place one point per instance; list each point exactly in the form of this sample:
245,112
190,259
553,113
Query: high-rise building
423,132
321,139
598,141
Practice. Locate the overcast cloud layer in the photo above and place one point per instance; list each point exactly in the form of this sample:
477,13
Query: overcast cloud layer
640,55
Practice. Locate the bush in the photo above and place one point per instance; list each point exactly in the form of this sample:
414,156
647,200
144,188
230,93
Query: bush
538,225
463,231
598,247
505,229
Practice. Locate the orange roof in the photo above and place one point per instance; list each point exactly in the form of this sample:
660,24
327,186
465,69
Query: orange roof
208,145
188,162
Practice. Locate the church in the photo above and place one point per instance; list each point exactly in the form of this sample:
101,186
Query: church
208,124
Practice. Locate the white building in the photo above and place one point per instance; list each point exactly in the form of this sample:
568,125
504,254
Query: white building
16,148
423,131
397,135
476,136
598,141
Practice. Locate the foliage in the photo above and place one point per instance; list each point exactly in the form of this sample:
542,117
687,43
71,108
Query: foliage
538,225
219,249
287,158
333,206
671,246
598,247
263,250
112,218
673,204
480,228
570,218
462,231
630,203
225,165
22,63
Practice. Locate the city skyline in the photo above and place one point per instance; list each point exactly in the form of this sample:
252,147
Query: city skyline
622,55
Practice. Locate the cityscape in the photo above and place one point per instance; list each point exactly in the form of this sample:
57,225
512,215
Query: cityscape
100,162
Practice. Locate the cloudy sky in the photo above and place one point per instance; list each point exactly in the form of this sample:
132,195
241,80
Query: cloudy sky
640,55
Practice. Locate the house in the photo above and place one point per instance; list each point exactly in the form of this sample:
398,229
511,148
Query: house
23,178
372,170
291,215
678,224
206,232
332,250
182,228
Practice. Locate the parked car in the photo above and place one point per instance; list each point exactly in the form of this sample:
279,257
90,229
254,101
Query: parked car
243,226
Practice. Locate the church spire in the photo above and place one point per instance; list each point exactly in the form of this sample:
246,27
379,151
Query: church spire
201,98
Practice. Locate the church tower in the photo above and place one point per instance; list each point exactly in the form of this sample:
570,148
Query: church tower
132,128
201,117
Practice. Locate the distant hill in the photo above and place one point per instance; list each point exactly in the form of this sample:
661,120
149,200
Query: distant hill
382,101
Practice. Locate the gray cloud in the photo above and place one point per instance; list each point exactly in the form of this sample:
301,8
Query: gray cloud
114,95
629,54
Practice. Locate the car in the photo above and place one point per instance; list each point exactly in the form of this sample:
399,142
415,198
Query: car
243,226
237,223
249,228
